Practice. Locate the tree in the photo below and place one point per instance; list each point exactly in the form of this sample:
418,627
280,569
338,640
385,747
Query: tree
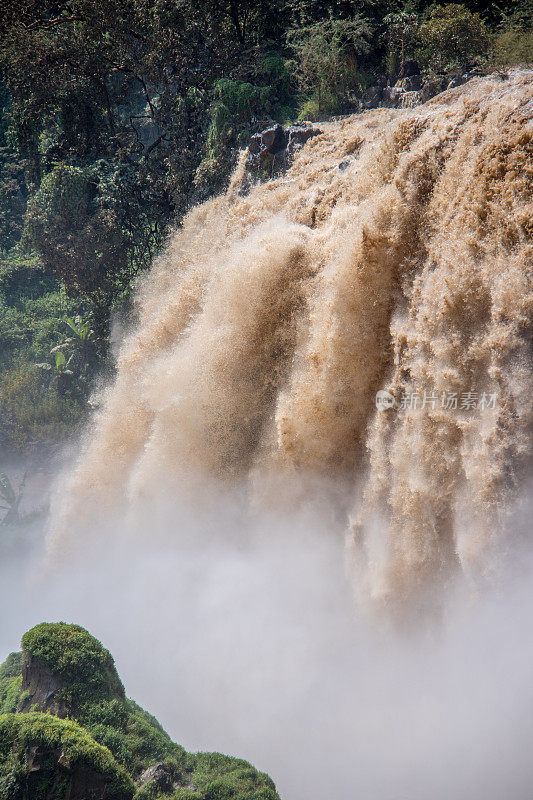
78,238
451,36
327,56
402,28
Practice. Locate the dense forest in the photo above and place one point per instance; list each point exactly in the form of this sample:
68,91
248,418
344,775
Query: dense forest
116,117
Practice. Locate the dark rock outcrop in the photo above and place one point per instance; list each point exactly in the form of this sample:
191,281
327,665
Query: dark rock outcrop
273,147
42,690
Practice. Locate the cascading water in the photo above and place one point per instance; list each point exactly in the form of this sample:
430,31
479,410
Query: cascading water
394,255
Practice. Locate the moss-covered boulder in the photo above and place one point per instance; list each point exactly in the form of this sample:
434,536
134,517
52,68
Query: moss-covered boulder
65,668
64,672
43,757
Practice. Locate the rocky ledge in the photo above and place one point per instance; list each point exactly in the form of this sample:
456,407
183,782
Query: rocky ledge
270,151
274,146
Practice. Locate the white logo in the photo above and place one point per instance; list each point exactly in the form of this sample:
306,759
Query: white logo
384,400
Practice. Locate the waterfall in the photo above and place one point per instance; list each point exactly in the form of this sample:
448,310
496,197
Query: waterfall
393,257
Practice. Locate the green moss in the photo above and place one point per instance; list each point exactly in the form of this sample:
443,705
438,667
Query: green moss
220,777
20,732
117,727
72,653
134,737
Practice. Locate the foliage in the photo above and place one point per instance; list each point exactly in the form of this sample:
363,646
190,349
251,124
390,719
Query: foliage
451,36
22,278
125,733
12,666
9,692
35,408
133,736
513,46
33,414
56,738
513,42
402,29
75,233
72,653
236,108
328,55
236,104
220,777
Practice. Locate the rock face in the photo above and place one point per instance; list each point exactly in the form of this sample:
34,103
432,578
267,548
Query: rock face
411,88
42,690
274,146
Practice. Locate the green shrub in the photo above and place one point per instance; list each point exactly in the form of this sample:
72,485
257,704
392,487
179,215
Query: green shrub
130,736
9,693
133,736
40,408
327,58
70,652
22,276
78,239
402,29
451,36
12,666
309,110
220,777
314,110
513,46
32,414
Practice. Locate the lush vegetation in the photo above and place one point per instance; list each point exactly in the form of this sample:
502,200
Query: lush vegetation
79,659
55,739
10,682
105,731
117,116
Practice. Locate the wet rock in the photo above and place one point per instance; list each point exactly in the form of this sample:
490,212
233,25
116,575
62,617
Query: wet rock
392,96
58,759
299,134
458,80
430,89
410,84
409,99
270,141
373,97
405,93
273,146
